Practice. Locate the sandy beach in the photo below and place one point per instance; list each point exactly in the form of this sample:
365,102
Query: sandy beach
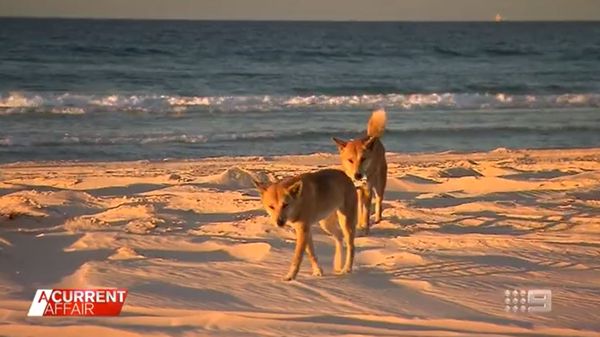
200,258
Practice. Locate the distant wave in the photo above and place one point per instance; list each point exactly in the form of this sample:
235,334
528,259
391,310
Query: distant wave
507,51
446,51
71,103
153,139
324,134
489,51
125,51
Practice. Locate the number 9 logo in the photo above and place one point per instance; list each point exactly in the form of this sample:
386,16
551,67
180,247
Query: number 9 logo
539,300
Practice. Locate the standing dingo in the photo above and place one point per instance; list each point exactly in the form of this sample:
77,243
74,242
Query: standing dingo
303,200
364,162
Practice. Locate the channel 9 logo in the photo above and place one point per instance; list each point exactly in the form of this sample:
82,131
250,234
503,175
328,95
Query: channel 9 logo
532,300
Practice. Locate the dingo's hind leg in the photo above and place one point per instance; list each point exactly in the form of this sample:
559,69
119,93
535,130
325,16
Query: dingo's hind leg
331,227
378,205
379,190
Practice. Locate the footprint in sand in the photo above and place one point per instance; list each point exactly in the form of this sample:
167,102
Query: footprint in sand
387,258
252,252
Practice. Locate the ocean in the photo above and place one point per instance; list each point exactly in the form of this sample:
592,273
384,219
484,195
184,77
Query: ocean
129,90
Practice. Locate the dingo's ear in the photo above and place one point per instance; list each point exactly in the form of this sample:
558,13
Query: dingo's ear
340,143
368,142
295,190
260,186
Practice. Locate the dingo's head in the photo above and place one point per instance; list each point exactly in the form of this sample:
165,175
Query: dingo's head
356,157
280,200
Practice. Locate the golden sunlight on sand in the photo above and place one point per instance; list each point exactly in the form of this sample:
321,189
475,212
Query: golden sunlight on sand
191,243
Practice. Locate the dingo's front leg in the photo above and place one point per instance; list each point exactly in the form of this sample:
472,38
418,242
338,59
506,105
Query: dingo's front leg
347,224
364,208
310,251
301,240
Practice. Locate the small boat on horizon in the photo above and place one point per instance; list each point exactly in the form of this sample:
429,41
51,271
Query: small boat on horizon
499,18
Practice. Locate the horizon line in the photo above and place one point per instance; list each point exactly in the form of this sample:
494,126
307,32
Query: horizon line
295,20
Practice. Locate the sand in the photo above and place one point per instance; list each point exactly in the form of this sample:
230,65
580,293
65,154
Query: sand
191,243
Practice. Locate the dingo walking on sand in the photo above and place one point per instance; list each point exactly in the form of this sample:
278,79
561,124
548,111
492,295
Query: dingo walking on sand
301,201
364,162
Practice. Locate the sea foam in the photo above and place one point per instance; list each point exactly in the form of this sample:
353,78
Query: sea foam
73,103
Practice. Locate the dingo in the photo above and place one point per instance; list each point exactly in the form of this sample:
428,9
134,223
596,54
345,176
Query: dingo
364,162
303,200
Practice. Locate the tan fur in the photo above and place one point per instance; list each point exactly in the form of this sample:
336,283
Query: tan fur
376,124
363,160
304,200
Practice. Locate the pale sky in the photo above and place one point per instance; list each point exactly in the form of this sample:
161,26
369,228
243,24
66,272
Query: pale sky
371,10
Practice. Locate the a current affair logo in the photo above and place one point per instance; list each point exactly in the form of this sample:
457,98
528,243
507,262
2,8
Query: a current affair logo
77,302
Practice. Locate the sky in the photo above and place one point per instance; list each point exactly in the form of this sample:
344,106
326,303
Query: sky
364,10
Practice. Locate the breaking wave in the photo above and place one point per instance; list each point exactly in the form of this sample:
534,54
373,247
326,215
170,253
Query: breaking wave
70,103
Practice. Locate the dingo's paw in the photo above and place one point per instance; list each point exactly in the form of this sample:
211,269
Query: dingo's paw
345,271
317,272
288,277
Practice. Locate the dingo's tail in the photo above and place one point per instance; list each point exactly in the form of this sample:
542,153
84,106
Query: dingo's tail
376,124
